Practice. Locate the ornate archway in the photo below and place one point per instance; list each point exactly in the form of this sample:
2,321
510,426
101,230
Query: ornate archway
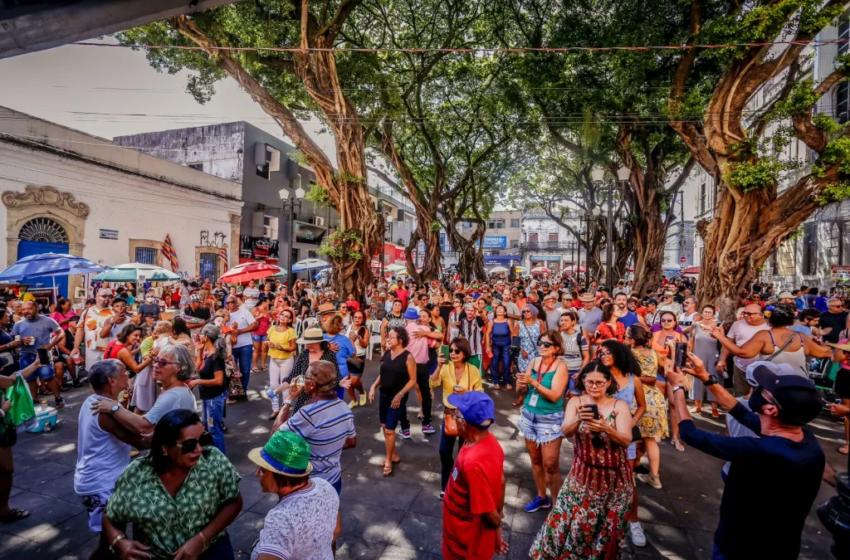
44,203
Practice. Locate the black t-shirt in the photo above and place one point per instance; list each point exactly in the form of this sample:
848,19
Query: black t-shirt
836,321
211,365
200,313
149,310
394,374
11,367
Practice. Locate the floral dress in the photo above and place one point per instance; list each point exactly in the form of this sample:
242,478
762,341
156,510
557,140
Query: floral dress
528,342
588,520
653,423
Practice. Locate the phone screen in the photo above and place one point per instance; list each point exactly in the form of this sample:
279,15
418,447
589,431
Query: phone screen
44,356
444,350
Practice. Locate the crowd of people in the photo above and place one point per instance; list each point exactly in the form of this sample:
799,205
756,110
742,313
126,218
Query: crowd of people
615,372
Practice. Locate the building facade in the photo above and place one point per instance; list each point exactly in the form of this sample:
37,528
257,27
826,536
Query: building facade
69,192
546,243
266,168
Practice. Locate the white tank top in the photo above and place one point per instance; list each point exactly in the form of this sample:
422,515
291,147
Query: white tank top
101,457
796,358
361,350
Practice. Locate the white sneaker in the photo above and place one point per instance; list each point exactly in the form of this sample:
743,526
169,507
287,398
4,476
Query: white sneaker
638,538
654,481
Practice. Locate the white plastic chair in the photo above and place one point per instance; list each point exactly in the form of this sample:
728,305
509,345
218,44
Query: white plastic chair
375,338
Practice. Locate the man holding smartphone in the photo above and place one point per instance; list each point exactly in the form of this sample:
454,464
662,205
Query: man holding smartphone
39,332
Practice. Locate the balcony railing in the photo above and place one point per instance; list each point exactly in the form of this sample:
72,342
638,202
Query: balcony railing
548,246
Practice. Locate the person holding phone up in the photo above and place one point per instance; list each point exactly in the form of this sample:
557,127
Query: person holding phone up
457,377
597,493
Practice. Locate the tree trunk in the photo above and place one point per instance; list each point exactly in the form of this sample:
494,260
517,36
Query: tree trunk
431,263
470,255
650,238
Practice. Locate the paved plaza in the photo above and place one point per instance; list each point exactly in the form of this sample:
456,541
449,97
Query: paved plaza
394,518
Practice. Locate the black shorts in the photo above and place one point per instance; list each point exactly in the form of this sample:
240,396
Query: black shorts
842,383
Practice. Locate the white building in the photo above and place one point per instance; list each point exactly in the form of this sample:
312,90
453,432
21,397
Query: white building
69,192
546,243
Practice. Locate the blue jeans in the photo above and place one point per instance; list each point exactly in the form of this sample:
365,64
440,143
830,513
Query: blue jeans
501,355
213,413
447,454
243,356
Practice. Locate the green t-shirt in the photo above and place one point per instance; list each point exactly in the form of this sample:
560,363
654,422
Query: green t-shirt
543,406
164,523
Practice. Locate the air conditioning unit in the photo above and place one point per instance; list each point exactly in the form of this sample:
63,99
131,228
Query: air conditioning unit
267,159
318,221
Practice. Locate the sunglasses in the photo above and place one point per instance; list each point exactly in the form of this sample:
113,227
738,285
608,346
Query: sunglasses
605,353
454,351
545,344
190,445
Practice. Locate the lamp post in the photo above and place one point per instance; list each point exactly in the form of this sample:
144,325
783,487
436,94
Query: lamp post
292,205
387,220
598,174
588,215
623,174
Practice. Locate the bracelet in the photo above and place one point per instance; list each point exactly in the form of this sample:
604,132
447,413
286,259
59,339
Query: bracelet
115,540
201,533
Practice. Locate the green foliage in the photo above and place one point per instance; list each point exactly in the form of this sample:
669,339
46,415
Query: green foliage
342,244
435,227
318,196
836,152
799,102
835,192
826,123
796,234
747,176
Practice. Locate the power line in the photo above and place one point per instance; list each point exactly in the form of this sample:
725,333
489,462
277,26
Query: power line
481,50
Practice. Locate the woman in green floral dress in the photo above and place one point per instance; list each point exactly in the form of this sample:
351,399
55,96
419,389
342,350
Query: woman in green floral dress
588,520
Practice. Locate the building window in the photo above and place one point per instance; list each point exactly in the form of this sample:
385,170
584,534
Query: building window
514,222
553,237
843,32
833,244
514,243
43,230
703,198
496,224
810,249
146,255
532,237
842,102
208,266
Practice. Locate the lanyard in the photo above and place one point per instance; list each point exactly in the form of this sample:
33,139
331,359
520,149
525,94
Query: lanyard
543,371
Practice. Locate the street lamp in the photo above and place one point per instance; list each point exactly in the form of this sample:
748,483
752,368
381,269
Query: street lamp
623,174
292,205
588,215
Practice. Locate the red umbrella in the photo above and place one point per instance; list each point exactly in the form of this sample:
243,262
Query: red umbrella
249,271
691,270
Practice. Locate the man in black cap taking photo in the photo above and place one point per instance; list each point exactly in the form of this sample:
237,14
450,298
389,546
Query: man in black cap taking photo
774,478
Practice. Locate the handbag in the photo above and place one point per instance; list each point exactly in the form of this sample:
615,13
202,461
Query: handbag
450,424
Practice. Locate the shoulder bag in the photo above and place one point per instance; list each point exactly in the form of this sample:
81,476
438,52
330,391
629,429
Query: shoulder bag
450,425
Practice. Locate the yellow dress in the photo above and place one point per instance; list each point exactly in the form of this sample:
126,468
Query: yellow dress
653,423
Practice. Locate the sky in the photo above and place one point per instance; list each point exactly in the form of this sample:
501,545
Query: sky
112,92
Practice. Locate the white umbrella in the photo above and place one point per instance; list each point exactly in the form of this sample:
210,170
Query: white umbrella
310,264
498,270
395,268
132,272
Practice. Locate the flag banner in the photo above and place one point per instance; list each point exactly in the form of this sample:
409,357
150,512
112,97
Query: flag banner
169,253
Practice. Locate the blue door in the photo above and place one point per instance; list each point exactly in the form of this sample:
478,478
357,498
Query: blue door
43,235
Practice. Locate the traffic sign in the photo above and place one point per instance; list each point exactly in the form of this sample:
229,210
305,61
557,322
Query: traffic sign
683,259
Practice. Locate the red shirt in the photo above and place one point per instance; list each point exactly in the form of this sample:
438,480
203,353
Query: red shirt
353,305
473,489
403,295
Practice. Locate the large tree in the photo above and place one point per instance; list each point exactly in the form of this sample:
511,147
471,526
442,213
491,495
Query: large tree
619,89
729,138
286,86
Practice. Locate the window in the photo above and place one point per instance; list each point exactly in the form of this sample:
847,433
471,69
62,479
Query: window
209,266
810,249
495,224
514,222
553,237
842,102
199,166
146,255
833,243
532,237
843,32
703,198
514,243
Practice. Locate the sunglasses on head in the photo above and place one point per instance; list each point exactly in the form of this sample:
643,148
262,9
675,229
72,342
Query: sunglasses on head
190,445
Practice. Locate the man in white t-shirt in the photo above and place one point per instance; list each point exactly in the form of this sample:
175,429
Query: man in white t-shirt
90,326
242,323
251,294
742,331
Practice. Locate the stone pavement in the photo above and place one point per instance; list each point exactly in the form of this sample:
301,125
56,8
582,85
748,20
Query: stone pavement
392,518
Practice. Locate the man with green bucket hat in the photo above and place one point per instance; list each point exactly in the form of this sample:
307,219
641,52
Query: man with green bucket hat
302,523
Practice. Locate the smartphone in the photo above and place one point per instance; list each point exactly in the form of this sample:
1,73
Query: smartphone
444,350
594,408
681,355
44,356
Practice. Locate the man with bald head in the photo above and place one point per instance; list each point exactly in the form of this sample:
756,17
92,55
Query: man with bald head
742,331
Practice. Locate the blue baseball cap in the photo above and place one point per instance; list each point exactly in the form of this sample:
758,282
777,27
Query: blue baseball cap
477,408
411,314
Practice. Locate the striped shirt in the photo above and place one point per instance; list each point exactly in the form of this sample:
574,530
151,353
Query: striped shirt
325,424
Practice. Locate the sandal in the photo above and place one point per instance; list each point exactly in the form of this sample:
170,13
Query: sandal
14,515
844,450
509,387
388,469
677,444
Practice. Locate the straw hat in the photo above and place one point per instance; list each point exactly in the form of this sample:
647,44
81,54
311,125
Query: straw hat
286,453
310,336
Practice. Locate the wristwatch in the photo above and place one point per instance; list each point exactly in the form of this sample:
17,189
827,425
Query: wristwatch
712,380
115,408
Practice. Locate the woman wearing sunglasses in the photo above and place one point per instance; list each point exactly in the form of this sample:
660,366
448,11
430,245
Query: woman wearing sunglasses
626,371
180,499
455,377
542,414
591,508
172,368
212,384
662,342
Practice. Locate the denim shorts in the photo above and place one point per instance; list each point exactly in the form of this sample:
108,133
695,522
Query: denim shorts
571,387
389,416
540,428
259,337
43,372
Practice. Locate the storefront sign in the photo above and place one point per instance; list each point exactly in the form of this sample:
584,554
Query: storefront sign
841,273
109,234
495,242
259,249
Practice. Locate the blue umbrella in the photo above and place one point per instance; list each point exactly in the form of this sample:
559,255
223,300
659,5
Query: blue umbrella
48,264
